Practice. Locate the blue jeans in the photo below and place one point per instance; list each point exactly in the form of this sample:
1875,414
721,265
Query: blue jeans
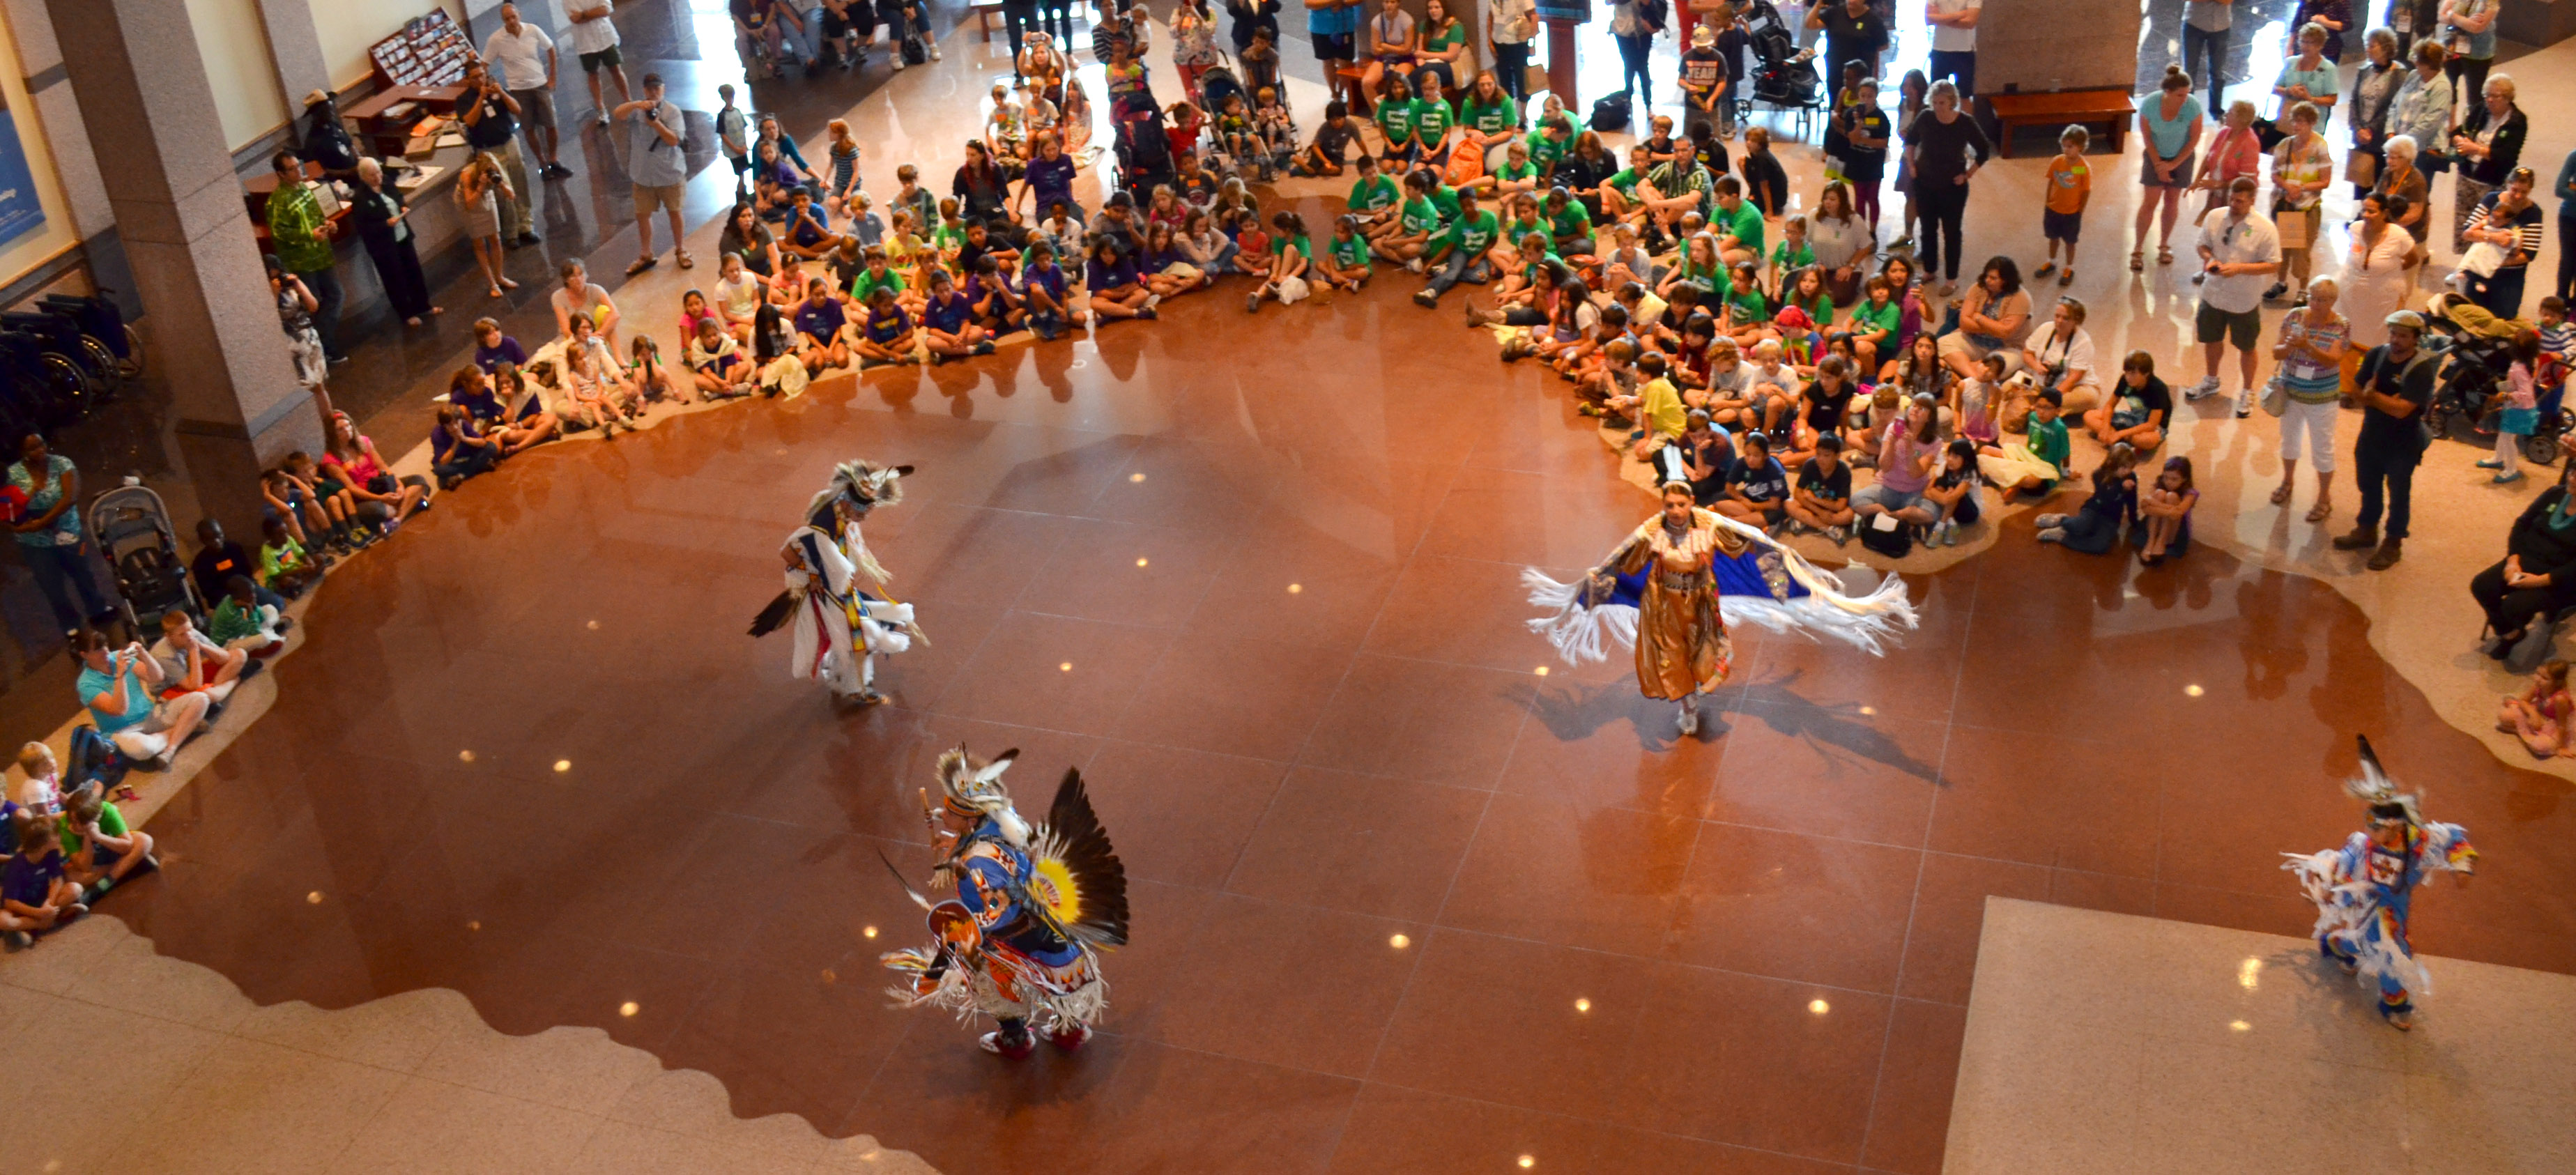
1463,267
61,570
327,296
1632,64
1511,69
2377,466
2201,43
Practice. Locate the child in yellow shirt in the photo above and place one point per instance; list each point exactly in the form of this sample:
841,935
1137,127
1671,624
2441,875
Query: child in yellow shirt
2070,187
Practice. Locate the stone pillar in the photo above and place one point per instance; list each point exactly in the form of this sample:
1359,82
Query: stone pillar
150,115
296,51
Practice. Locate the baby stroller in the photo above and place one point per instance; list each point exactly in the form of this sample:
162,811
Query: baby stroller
133,528
1144,154
1217,83
1783,76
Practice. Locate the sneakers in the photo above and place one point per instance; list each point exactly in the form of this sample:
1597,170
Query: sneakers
2244,403
1153,300
1840,534
934,52
1426,298
984,348
2278,291
1252,302
2203,390
1689,721
1415,265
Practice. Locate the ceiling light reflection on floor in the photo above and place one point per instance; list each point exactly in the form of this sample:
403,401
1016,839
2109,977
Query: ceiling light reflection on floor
2249,974
1819,1007
1140,562
2192,691
1135,477
1542,671
1399,942
629,1008
1582,1005
868,932
313,898
2240,1026
1529,1160
1295,588
464,756
563,765
1067,667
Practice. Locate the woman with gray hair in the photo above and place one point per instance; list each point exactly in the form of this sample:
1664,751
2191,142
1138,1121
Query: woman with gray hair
2422,108
2401,178
2374,92
2487,147
378,211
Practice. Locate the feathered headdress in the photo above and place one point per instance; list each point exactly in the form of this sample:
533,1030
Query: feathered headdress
863,484
971,787
2377,790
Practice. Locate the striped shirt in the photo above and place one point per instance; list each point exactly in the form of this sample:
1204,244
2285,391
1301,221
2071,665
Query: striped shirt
2308,380
2526,226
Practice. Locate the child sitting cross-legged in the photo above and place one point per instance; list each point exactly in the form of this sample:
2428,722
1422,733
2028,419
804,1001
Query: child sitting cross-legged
99,851
241,622
35,896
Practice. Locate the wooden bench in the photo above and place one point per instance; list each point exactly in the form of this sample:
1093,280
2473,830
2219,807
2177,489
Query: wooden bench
984,11
1346,83
2114,107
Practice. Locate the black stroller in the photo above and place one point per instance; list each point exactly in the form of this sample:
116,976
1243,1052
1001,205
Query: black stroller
133,528
1783,76
1144,154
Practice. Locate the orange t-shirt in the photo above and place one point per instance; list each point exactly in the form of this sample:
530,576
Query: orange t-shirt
2070,184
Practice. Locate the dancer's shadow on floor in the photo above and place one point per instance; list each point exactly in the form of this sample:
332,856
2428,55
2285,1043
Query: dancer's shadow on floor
1574,712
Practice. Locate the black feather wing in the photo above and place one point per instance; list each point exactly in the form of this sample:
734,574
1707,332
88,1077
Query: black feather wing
774,617
1074,838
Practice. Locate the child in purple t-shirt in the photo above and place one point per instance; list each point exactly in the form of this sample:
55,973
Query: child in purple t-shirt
492,348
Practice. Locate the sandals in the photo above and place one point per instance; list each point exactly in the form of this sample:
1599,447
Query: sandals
686,261
2164,254
2137,260
2318,512
2280,495
641,264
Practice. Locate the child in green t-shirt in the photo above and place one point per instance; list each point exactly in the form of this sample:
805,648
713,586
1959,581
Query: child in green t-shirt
1873,323
282,561
2032,466
1292,255
1345,263
1375,200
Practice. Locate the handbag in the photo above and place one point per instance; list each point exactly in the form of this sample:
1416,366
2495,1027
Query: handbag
2276,397
2361,170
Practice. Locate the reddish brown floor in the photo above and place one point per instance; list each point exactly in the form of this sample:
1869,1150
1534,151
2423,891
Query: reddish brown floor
1259,578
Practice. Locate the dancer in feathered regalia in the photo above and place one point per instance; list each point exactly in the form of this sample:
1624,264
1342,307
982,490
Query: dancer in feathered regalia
1673,586
2365,890
1024,909
839,627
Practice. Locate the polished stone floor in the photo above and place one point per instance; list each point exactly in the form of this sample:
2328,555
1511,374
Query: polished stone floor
1402,902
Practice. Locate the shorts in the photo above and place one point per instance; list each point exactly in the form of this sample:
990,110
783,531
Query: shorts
834,26
536,107
647,199
2213,324
591,62
1885,497
1334,47
2061,226
2181,176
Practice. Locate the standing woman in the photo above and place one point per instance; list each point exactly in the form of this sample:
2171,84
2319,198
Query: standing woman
2374,93
2308,76
2169,129
2402,180
2334,16
51,538
2378,274
1912,99
2311,354
1444,45
1945,148
2488,146
1509,25
479,192
379,214
2422,108
2302,169
2509,220
2470,26
1193,42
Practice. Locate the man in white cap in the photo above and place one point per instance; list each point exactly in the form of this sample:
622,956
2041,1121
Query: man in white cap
2395,383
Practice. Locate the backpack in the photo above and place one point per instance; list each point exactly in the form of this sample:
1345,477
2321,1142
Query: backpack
1895,543
1653,14
1611,113
914,51
93,757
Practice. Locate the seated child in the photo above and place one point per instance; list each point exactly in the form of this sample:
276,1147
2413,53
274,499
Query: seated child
241,622
191,662
717,362
2164,509
1757,487
1042,306
35,895
1953,493
459,450
1821,502
821,326
101,850
1333,142
2033,464
886,332
947,323
1345,263
2539,715
283,565
1292,255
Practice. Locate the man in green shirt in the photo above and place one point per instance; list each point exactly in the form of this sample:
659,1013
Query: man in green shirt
1471,234
300,235
1737,223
